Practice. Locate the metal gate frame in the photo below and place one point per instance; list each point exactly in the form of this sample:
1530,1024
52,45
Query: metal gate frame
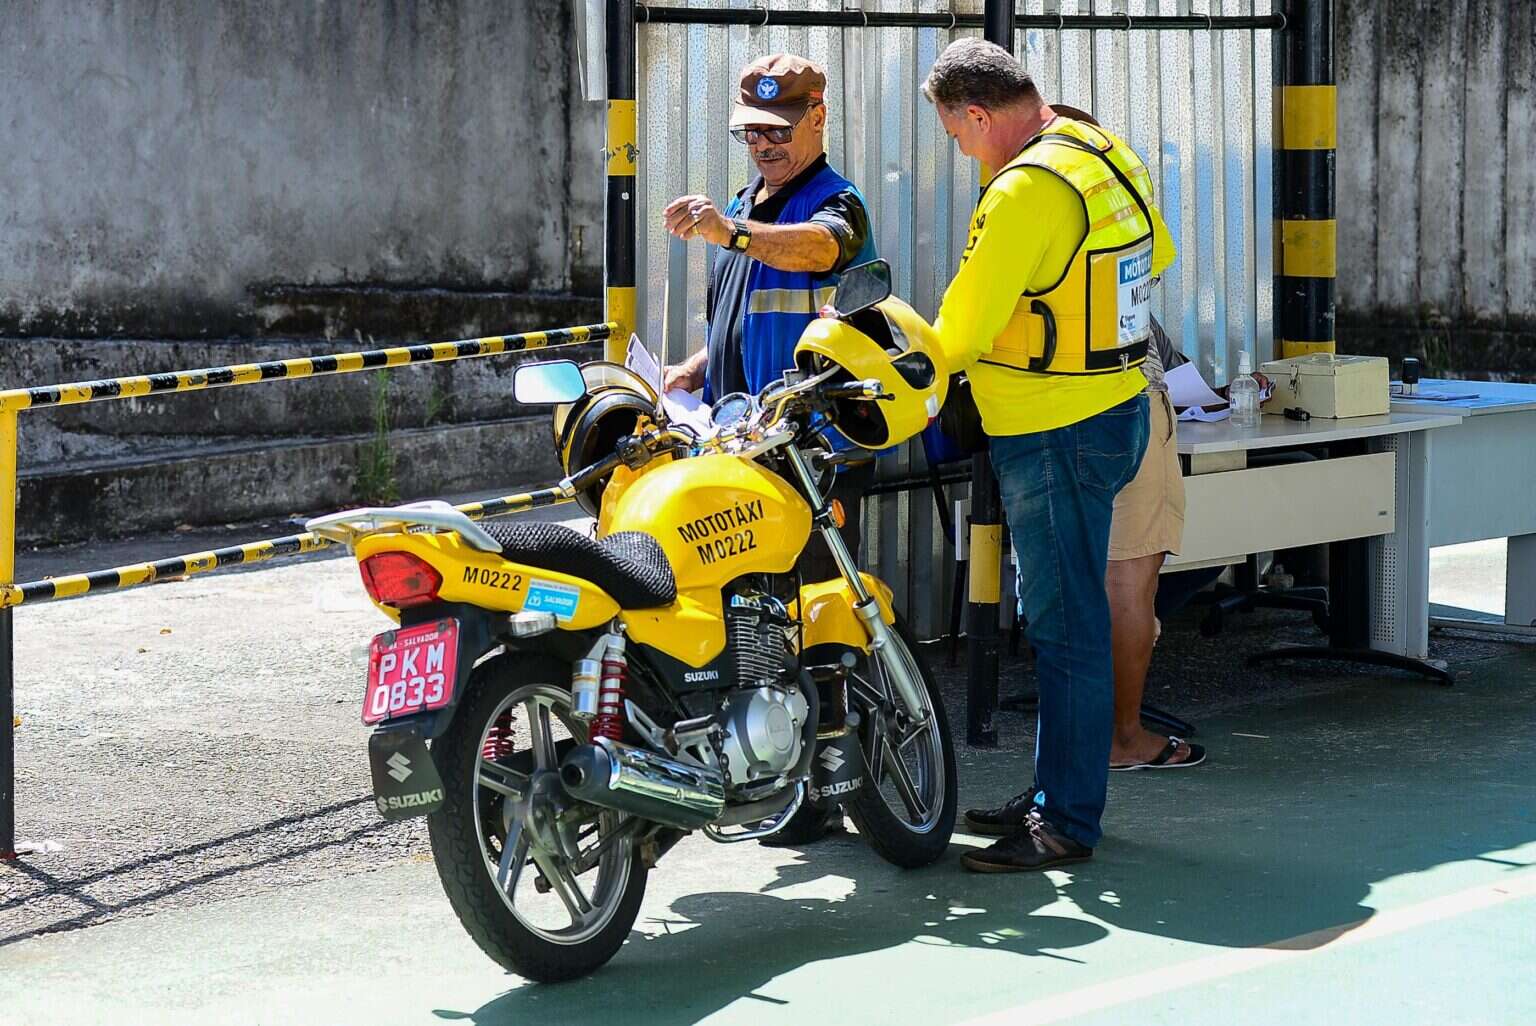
1302,244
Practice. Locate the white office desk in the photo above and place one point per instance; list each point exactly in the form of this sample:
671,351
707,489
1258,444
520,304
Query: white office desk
1376,492
1482,479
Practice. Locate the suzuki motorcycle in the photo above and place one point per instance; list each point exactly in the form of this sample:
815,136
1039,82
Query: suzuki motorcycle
564,708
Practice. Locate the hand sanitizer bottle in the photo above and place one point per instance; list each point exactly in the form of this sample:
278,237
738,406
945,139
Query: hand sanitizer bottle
1243,395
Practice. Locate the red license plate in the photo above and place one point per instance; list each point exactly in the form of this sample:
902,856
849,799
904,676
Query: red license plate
411,670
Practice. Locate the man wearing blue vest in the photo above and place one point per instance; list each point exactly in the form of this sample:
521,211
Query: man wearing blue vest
782,242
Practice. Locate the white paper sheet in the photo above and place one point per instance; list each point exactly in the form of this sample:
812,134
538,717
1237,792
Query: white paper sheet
639,359
1187,388
679,407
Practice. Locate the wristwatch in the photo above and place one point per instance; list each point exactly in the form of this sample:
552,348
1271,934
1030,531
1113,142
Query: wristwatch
741,235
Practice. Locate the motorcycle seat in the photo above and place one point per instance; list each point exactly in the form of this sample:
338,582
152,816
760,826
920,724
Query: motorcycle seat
629,565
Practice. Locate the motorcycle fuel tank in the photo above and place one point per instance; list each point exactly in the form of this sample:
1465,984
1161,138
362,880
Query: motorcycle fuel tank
716,517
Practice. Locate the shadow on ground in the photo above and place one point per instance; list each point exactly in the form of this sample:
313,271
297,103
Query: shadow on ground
1279,842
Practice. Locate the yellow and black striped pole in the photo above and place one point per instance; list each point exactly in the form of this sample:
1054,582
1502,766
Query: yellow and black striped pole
8,446
985,526
1308,229
623,162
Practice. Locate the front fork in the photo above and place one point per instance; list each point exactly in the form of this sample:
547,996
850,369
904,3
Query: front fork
908,681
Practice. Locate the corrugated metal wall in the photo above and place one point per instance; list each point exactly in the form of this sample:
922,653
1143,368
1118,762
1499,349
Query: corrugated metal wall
1195,105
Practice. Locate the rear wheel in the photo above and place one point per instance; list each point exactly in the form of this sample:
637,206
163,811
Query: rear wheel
906,807
547,888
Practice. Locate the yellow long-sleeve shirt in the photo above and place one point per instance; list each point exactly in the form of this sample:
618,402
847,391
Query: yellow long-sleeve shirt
1024,233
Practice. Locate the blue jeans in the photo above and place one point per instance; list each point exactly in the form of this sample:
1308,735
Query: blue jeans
1058,488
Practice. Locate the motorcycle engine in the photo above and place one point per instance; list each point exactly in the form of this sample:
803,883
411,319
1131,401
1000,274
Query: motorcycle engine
764,716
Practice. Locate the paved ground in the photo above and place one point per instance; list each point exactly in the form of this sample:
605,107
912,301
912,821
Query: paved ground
1360,848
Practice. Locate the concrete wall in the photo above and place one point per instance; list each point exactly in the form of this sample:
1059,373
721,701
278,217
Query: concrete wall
179,168
1437,182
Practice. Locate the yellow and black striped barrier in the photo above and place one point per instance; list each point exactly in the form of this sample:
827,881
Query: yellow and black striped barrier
14,401
1308,226
299,367
178,567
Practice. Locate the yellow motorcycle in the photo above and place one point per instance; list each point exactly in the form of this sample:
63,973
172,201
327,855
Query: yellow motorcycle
564,708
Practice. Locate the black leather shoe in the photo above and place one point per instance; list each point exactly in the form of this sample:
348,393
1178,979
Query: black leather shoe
1004,819
1035,845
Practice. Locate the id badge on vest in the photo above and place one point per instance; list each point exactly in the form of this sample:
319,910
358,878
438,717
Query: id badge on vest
1133,273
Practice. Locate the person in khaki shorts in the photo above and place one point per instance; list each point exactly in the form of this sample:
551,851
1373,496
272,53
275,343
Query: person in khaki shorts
1148,524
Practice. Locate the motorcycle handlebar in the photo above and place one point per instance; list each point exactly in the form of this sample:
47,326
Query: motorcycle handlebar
653,442
869,388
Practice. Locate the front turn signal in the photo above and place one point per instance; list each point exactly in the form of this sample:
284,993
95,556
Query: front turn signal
839,515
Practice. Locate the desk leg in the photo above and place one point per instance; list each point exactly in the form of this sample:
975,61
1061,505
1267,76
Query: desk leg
1371,606
1519,578
1400,561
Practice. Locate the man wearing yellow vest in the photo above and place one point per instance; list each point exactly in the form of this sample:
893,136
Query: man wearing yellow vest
1049,314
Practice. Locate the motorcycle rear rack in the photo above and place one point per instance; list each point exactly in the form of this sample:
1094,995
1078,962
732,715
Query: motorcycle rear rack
350,525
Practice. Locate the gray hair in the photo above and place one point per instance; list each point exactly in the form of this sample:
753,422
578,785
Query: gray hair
974,71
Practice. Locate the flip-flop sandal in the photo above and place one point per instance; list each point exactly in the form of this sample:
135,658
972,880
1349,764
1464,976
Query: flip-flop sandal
1196,757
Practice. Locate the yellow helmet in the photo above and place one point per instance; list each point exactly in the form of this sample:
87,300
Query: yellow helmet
589,428
889,341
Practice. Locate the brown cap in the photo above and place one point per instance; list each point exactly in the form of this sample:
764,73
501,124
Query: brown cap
776,90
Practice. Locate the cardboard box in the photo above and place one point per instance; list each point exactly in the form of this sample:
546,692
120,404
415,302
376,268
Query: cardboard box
1329,385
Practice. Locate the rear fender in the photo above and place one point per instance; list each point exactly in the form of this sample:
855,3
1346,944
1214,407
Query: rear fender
829,617
479,640
487,580
476,640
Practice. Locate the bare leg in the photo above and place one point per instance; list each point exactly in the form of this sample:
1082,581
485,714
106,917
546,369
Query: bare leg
1132,588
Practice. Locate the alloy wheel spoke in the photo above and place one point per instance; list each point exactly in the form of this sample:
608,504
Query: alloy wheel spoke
902,777
914,734
514,856
868,695
564,884
878,747
543,738
493,776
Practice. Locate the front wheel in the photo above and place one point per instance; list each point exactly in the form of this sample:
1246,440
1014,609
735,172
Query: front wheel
546,888
906,807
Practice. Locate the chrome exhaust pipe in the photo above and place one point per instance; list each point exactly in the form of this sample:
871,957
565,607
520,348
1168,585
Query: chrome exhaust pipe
643,783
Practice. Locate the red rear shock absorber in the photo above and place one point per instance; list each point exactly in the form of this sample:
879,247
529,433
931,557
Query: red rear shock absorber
499,741
609,721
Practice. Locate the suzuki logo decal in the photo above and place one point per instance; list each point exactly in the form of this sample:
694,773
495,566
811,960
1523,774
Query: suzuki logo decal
399,767
832,760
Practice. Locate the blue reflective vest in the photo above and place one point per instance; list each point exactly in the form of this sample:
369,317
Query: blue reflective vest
781,303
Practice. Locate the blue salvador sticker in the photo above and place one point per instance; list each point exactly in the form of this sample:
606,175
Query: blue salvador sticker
767,89
552,597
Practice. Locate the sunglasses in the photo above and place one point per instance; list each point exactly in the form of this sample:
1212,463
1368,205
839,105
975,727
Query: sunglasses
777,136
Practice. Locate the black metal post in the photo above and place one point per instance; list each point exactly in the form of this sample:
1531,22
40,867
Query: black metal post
660,14
1308,228
986,568
623,164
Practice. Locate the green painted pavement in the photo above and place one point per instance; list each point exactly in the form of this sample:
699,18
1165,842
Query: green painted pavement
1389,825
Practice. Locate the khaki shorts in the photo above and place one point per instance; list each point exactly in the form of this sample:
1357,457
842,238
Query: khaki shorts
1149,512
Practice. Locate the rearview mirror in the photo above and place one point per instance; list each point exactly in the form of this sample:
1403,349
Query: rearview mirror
547,383
862,287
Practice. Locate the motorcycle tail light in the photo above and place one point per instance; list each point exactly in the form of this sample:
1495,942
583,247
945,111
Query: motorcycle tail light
400,579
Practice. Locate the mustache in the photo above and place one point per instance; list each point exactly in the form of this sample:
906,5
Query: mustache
770,155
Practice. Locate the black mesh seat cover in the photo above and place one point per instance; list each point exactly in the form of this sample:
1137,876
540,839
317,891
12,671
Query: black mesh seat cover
630,566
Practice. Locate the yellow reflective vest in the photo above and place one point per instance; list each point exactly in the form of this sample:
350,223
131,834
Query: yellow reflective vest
1095,319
